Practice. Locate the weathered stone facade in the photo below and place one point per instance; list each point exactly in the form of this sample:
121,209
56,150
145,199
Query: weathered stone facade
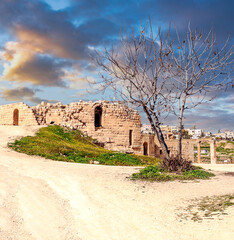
152,144
114,125
110,123
17,114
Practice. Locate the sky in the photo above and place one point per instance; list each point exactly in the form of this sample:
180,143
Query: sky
45,47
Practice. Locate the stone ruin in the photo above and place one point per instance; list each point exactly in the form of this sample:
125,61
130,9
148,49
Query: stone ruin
109,123
114,125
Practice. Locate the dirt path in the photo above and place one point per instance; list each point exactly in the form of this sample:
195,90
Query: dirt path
44,200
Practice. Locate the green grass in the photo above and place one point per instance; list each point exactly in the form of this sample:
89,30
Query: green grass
64,144
155,173
118,159
226,151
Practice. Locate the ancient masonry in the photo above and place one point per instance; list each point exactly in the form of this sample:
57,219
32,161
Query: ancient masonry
113,125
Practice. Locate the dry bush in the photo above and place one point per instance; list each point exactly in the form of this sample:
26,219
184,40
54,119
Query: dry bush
177,164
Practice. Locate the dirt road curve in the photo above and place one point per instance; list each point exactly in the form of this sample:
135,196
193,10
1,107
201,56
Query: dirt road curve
48,200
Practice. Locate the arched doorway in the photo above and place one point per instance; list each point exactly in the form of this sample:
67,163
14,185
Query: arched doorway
145,148
16,117
98,116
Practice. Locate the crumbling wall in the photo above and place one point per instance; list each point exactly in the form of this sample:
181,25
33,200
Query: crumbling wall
187,148
114,125
23,115
117,120
154,148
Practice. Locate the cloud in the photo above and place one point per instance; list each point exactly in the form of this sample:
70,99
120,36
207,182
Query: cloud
50,46
202,14
218,114
47,42
77,80
39,28
205,14
211,120
98,30
25,66
20,94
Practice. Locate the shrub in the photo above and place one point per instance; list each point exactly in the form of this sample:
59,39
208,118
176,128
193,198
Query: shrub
197,173
177,164
155,173
152,173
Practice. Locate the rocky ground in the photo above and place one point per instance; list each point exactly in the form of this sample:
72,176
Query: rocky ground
42,200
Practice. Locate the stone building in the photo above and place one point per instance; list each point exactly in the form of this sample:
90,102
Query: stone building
17,114
113,125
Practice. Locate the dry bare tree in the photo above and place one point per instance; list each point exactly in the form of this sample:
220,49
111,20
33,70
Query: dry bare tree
165,74
202,68
135,71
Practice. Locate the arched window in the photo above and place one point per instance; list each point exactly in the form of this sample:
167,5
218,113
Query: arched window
98,116
145,148
16,117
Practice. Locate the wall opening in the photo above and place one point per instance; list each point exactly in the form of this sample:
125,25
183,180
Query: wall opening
130,137
145,148
155,150
98,116
16,117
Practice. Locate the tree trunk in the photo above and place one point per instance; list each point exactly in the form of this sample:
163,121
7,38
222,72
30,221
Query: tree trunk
155,124
162,142
179,145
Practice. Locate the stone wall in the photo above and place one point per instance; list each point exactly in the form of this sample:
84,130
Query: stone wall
148,142
117,122
17,114
154,148
113,125
187,148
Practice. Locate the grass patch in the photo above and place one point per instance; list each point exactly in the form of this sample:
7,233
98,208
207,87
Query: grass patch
224,151
121,159
207,207
155,173
64,144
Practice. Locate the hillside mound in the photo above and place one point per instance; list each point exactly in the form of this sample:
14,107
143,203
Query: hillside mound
63,144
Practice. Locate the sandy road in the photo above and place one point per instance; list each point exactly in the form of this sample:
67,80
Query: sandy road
48,200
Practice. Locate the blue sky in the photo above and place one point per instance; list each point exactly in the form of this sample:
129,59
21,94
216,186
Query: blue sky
45,46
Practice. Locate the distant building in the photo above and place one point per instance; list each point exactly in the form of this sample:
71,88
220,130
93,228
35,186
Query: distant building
208,134
227,134
146,129
168,128
174,129
196,133
165,128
